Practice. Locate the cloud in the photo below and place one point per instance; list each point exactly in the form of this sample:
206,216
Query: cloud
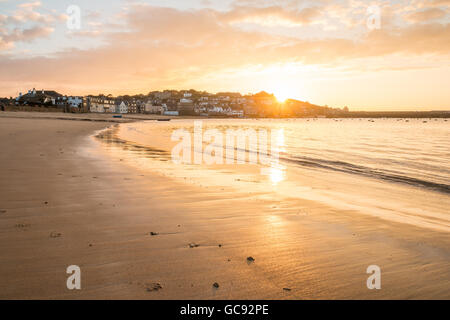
7,40
272,15
85,33
25,25
169,47
426,15
438,3
28,34
30,4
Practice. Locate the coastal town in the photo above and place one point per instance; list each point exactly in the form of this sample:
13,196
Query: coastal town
173,103
170,103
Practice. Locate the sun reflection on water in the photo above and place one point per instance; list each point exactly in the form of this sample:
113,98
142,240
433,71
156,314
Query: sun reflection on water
276,175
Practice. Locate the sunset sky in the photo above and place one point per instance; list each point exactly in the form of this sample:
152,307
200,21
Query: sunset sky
321,51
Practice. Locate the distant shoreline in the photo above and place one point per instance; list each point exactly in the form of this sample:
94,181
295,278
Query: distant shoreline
397,114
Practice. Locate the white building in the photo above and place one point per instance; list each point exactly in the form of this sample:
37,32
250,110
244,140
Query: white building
185,100
97,107
122,107
216,110
236,113
102,104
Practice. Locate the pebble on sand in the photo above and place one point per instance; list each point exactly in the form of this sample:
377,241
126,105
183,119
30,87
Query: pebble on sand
193,245
287,289
154,233
55,235
216,285
154,287
250,259
22,225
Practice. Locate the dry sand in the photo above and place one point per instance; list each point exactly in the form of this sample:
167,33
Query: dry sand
101,212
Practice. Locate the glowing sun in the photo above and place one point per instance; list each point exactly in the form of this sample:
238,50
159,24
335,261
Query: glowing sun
282,93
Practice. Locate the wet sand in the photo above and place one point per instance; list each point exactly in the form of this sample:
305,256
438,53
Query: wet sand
61,207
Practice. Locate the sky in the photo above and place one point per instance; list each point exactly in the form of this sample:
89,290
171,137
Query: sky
367,55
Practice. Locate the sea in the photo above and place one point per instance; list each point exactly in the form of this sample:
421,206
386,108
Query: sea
397,170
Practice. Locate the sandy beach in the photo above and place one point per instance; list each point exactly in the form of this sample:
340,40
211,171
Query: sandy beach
61,207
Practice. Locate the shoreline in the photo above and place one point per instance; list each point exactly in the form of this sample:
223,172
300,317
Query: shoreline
90,117
104,211
107,117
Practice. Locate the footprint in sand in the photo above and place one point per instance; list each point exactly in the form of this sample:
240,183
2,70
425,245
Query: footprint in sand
22,225
155,286
55,234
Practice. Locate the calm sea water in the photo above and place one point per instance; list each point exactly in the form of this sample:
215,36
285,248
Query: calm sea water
395,169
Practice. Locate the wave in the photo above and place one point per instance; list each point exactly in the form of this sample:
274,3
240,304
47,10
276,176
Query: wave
346,167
